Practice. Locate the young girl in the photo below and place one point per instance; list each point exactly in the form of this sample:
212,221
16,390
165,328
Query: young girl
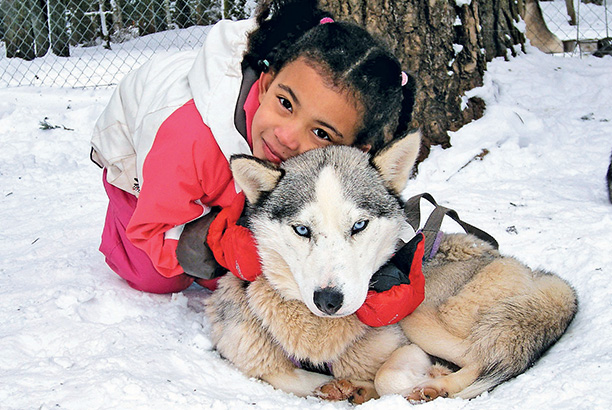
289,81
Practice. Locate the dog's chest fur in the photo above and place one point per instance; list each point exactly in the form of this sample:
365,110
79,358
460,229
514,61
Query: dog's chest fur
300,333
261,332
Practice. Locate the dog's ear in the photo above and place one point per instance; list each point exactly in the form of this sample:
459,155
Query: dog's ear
254,176
396,160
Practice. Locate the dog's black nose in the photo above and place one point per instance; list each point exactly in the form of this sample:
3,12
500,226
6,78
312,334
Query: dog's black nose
328,300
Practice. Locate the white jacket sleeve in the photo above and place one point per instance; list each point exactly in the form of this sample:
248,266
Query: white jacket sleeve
143,100
112,141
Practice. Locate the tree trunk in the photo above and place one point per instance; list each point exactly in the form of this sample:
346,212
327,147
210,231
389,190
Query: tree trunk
146,20
235,9
445,44
83,30
183,14
58,29
159,12
535,27
208,12
153,18
104,24
40,29
17,30
168,14
117,16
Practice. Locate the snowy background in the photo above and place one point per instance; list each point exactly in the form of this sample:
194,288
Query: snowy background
73,335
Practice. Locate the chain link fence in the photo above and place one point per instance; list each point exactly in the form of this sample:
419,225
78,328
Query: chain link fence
578,26
89,43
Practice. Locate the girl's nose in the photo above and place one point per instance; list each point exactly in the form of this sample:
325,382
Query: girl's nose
289,136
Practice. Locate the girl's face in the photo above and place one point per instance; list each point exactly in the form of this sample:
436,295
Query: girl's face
298,111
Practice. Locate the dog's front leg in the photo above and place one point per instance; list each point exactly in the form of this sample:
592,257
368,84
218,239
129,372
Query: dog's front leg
298,381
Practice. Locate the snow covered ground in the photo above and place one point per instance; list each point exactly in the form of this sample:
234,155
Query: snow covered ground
73,335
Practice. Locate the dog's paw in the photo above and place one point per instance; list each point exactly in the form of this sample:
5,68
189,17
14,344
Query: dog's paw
423,394
363,394
335,390
342,389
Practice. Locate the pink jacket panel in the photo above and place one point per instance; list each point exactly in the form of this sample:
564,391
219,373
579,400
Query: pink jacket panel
185,172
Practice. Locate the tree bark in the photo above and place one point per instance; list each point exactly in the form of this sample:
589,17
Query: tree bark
445,44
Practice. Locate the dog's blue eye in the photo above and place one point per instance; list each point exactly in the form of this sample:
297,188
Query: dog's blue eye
302,230
359,226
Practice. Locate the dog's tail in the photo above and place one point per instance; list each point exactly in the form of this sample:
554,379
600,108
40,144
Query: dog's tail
515,333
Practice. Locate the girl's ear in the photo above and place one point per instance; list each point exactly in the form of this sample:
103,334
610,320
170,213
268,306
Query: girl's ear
265,80
254,176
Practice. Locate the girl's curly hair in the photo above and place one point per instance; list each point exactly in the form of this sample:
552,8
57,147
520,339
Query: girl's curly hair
344,53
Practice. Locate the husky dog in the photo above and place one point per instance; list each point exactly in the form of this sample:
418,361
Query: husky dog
324,222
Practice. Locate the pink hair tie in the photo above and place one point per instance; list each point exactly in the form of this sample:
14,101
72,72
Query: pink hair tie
326,20
404,78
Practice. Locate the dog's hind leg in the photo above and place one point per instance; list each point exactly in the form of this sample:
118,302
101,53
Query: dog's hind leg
298,381
423,328
411,373
407,367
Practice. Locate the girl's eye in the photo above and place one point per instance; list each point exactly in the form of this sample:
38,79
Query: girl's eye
359,226
285,103
322,134
302,230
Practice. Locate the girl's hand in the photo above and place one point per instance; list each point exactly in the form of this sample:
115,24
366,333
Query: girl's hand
233,245
193,255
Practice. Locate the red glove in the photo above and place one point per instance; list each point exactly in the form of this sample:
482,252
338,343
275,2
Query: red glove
397,288
233,245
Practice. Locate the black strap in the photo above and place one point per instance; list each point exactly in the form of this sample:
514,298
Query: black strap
431,228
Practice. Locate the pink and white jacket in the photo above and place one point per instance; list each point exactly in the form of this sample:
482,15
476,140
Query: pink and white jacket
167,134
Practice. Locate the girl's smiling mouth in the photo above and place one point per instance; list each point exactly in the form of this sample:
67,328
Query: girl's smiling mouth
270,154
